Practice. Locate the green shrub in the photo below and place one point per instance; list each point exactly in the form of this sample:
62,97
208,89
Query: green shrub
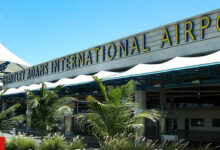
77,144
21,142
117,142
207,147
142,144
56,142
180,145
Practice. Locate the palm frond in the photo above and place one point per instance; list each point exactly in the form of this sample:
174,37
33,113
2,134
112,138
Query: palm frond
149,114
47,106
63,111
17,118
3,92
116,114
9,110
102,87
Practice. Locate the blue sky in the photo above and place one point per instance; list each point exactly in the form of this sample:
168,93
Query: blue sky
40,30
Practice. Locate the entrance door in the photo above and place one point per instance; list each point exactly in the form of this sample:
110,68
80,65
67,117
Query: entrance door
174,126
168,125
186,127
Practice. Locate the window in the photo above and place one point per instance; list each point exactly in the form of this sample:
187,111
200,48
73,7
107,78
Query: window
197,122
216,122
174,123
83,108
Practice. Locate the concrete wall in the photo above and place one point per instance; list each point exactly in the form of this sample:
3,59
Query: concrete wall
204,113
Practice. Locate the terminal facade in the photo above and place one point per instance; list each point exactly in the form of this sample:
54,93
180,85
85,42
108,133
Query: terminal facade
187,98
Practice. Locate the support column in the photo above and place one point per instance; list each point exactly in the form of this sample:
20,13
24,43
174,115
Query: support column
68,125
4,106
163,115
140,98
28,117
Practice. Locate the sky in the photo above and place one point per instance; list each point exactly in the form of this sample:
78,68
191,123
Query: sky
41,30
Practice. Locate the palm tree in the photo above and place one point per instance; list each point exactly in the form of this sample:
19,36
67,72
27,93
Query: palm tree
47,107
115,114
5,118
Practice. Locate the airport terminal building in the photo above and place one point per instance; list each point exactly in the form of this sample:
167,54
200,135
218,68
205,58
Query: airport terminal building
176,69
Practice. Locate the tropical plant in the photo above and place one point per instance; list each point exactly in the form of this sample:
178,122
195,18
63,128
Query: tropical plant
181,145
21,142
5,115
77,143
56,142
47,107
117,142
115,113
127,142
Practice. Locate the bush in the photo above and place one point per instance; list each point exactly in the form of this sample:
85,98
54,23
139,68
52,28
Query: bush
21,142
129,142
77,144
180,145
55,142
115,143
141,143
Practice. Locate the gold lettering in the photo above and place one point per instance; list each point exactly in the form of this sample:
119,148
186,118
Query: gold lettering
81,59
97,53
188,30
88,57
202,26
165,38
108,51
62,63
177,33
144,49
103,53
74,61
55,66
134,46
36,71
123,48
46,71
41,70
68,63
217,23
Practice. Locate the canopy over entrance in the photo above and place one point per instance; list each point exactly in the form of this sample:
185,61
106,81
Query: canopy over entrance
16,63
9,62
179,71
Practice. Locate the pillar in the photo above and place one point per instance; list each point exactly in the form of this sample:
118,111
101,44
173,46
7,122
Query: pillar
68,124
4,106
140,98
28,117
163,115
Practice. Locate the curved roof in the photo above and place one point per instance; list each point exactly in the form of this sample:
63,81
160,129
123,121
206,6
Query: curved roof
177,63
16,63
6,55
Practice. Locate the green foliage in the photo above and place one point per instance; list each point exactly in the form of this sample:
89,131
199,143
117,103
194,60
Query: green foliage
5,118
77,144
115,143
181,145
47,106
21,142
207,147
127,142
55,142
114,115
141,143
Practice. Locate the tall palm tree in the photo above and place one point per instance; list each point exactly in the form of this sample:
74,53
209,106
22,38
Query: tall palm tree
5,115
47,106
115,114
